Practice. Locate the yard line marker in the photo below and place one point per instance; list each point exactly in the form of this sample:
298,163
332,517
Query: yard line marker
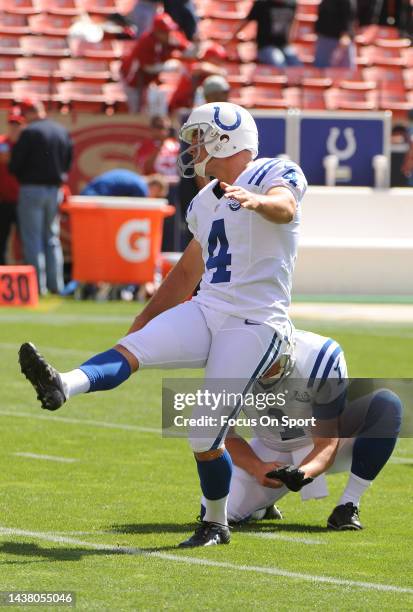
280,536
274,571
80,353
401,460
45,457
73,421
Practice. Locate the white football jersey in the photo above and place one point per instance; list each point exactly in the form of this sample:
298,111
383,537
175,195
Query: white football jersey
316,387
249,261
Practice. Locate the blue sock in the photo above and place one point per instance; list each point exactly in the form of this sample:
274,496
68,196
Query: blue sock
372,450
106,370
215,476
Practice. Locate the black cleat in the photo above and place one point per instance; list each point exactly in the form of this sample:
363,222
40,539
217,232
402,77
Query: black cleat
208,534
345,517
44,378
272,513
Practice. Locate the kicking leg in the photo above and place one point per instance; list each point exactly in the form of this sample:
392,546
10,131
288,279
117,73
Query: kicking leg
176,338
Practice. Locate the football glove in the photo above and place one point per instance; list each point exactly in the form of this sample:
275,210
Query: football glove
293,478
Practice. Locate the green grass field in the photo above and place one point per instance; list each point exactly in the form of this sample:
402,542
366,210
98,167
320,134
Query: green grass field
106,525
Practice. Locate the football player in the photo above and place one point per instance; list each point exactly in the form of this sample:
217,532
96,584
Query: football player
245,225
357,436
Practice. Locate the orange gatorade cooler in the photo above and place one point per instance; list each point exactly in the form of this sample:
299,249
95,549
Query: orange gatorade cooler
116,240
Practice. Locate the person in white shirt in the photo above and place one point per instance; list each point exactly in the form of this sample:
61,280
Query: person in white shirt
245,225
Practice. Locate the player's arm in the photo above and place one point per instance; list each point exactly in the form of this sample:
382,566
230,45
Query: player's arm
244,457
278,205
320,458
176,287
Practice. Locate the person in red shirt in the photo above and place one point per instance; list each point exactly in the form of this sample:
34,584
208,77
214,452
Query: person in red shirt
147,58
194,74
158,154
9,187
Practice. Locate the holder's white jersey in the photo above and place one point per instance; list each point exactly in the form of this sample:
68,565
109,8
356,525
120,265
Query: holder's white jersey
249,261
316,388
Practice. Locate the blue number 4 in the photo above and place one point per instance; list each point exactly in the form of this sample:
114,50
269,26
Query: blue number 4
223,258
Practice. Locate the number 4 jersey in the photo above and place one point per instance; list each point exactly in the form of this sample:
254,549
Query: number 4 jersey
249,261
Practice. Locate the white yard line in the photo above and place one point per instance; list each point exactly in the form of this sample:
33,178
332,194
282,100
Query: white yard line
73,421
279,536
274,571
45,457
402,460
80,353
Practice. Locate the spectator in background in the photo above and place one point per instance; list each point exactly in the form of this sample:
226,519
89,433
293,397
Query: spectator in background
194,73
215,88
9,187
401,156
184,14
117,182
148,57
159,153
335,34
157,185
41,159
274,20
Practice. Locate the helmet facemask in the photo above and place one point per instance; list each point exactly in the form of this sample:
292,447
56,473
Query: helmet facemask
197,135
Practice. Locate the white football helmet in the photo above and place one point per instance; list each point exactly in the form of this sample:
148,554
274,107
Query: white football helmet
223,129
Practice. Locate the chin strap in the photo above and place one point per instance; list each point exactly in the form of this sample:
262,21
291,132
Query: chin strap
200,168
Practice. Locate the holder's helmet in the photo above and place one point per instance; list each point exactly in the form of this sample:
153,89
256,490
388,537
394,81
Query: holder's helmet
223,129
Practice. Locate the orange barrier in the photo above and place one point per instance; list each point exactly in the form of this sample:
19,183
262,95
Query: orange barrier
18,286
116,240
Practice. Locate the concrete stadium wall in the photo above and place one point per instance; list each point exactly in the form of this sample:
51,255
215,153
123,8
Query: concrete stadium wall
356,241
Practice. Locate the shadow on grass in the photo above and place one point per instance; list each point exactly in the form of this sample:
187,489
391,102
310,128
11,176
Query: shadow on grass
34,551
257,527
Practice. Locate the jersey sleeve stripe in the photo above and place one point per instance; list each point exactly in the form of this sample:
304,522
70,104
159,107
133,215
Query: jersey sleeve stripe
267,169
317,363
262,167
329,365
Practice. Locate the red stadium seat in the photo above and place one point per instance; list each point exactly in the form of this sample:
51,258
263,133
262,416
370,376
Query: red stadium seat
382,56
267,76
105,49
238,74
296,74
225,10
357,85
344,74
44,46
6,94
116,97
266,97
385,76
41,90
100,7
86,69
82,96
395,101
61,7
8,69
50,25
39,68
308,7
10,46
13,25
342,99
217,29
22,7
407,55
303,28
312,99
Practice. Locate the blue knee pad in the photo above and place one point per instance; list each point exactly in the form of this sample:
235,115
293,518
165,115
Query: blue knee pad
376,441
106,370
215,476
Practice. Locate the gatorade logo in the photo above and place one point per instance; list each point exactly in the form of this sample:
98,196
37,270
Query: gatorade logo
133,240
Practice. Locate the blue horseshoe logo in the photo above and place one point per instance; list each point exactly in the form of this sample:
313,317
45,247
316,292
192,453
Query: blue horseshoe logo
222,125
